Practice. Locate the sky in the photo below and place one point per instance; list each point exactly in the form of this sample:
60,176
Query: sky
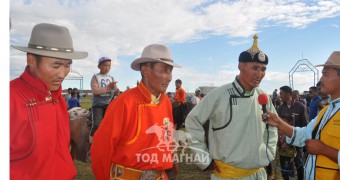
204,36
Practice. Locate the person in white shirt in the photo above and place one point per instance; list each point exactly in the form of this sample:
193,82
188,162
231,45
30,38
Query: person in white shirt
196,99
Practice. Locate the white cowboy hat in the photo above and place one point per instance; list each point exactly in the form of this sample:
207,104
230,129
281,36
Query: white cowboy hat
333,61
154,53
52,41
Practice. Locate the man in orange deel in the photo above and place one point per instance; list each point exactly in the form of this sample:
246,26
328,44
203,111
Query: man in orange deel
135,135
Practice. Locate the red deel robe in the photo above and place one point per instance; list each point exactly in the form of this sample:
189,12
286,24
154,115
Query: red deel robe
39,132
134,133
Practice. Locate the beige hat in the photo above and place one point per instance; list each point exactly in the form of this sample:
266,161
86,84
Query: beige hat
154,53
52,41
333,61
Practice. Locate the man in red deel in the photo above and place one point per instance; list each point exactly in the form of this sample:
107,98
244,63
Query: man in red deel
39,123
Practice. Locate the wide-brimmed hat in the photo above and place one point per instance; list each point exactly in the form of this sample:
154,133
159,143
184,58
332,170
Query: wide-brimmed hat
154,53
333,61
52,41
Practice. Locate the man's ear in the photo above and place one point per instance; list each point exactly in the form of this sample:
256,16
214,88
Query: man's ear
31,61
144,70
240,65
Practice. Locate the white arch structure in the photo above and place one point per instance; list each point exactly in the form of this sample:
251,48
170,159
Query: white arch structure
303,65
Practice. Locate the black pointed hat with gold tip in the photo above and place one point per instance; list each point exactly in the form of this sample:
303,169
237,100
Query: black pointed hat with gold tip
254,54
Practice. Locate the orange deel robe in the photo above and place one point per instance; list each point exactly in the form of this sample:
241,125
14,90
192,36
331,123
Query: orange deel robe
134,133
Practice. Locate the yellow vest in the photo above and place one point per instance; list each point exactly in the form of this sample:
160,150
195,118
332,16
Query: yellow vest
330,135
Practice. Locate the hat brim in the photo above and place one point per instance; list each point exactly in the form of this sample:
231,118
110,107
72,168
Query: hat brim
135,65
61,55
328,65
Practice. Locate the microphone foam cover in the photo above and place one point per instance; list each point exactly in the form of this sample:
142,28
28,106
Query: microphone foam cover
263,99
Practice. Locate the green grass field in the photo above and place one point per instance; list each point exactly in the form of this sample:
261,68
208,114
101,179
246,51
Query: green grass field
86,102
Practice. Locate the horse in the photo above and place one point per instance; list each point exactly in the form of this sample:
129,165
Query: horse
79,134
180,112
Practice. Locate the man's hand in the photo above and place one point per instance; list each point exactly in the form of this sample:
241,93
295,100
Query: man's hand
315,146
272,119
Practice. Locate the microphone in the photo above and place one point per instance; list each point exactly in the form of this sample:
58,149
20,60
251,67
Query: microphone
263,100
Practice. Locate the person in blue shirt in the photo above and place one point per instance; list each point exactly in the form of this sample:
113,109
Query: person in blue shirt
73,101
315,100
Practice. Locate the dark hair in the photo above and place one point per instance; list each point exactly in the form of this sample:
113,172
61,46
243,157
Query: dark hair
178,81
296,91
69,89
287,89
318,84
314,88
338,70
37,57
149,64
73,93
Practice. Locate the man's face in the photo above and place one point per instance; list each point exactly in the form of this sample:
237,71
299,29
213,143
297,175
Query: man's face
251,74
105,67
157,79
283,96
312,93
295,96
178,85
197,93
330,82
50,70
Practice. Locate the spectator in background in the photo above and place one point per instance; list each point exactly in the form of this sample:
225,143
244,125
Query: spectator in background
76,90
294,112
103,88
275,95
180,95
73,101
169,94
179,108
315,100
68,96
296,97
196,98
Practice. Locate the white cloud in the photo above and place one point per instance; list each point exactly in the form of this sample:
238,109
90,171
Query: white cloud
123,27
